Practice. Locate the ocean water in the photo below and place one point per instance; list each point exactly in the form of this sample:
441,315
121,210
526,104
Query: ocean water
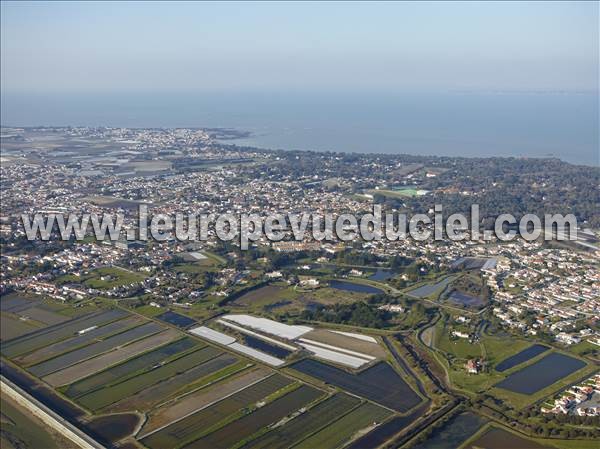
563,125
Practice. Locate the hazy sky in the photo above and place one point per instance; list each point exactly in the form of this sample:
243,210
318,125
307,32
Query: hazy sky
74,47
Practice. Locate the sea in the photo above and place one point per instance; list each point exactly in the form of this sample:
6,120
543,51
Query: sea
563,125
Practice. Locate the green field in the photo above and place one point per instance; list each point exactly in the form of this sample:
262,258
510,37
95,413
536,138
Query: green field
239,431
103,278
149,397
265,296
342,430
405,192
199,423
133,366
309,422
103,397
457,347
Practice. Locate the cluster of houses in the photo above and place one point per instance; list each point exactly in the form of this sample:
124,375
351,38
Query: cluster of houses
559,288
581,400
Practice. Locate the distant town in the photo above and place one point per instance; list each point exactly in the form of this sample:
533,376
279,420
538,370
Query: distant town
391,343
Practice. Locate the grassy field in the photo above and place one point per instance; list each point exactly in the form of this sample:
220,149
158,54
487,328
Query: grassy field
586,349
280,298
198,267
330,296
399,193
266,296
103,278
218,259
150,311
457,347
496,348
109,277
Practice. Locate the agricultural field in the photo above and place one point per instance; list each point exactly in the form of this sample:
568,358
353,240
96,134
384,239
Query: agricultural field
194,425
379,383
199,399
340,432
12,327
87,352
14,303
261,345
43,315
53,334
103,397
130,367
77,341
308,423
139,381
93,365
496,438
248,425
145,399
492,436
22,315
264,347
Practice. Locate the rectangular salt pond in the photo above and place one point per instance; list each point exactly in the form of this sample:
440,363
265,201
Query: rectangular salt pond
520,357
541,374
